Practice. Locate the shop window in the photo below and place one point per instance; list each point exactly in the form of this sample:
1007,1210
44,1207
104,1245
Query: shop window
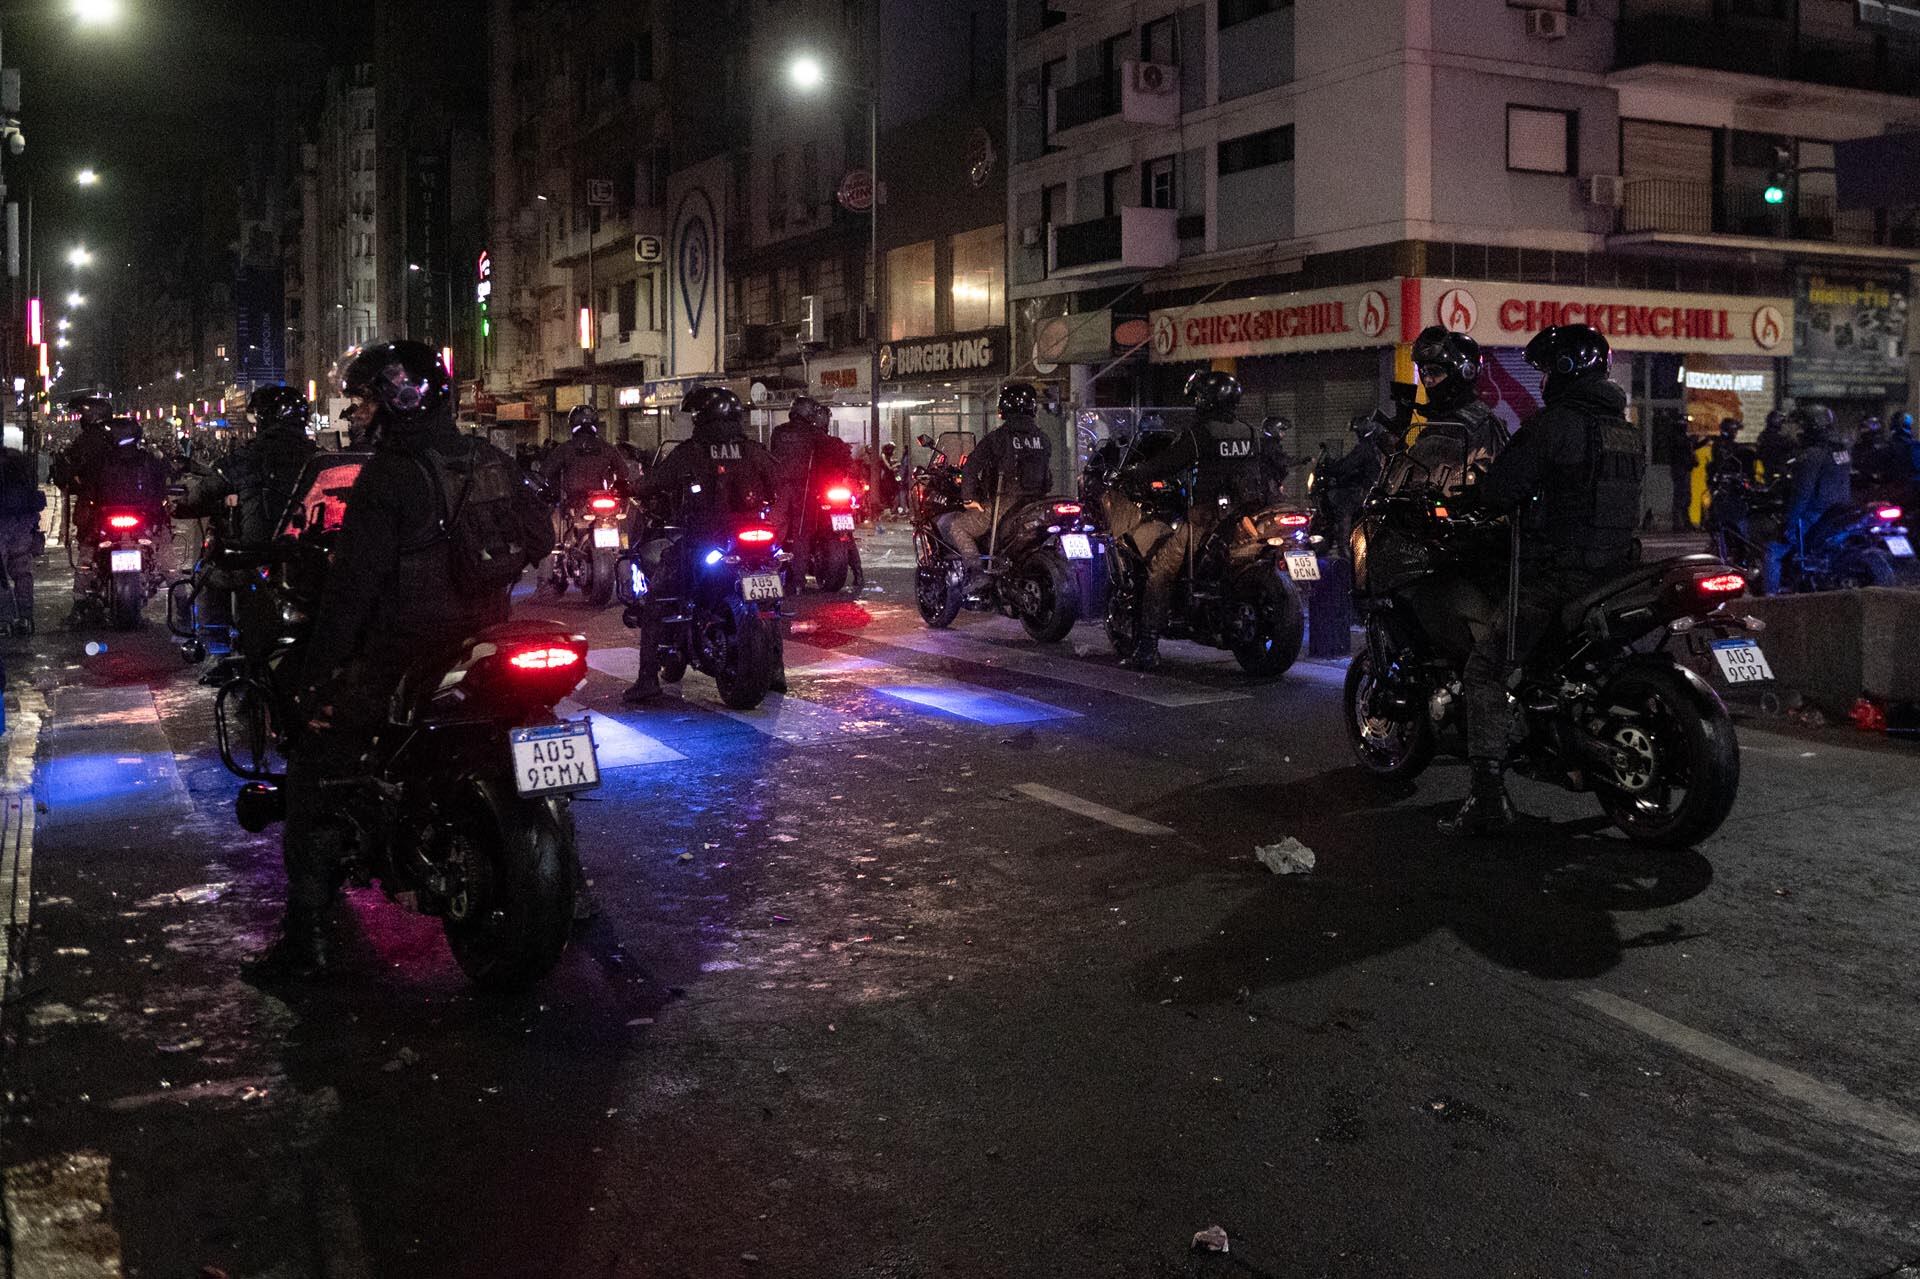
1541,141
1234,12
910,291
1256,150
979,279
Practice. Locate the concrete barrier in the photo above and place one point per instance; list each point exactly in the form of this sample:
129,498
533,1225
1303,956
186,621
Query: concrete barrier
1835,646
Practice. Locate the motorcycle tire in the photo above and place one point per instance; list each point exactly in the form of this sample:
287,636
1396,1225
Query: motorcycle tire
510,927
935,593
1867,567
1680,734
1401,749
600,570
1282,625
1048,593
752,658
126,597
859,569
831,565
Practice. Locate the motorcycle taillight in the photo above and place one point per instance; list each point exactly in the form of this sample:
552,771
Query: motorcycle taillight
539,660
604,503
122,523
755,536
839,495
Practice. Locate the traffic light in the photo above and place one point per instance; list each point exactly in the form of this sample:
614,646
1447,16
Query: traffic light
1776,189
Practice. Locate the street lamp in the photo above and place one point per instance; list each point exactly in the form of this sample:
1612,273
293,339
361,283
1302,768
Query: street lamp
87,178
79,257
97,13
807,74
74,299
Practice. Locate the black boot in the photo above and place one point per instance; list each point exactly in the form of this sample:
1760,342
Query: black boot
304,952
1488,810
644,689
1145,655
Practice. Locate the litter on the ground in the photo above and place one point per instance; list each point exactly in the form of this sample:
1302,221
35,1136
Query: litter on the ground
1213,1239
1288,857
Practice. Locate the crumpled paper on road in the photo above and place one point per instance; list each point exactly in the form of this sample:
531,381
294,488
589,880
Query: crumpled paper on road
1213,1239
1288,857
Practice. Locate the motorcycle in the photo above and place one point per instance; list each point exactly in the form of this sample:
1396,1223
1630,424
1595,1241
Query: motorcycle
1602,706
595,538
1237,592
460,809
719,600
125,573
828,550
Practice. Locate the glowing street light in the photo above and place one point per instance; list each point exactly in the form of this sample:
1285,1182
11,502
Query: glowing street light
65,324
79,257
97,13
87,178
74,299
807,72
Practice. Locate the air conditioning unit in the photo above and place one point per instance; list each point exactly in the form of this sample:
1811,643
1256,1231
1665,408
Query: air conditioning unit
1154,78
1606,190
1030,235
1546,24
813,322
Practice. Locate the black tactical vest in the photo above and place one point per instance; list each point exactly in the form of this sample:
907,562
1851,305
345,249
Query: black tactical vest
1592,511
1229,462
1028,461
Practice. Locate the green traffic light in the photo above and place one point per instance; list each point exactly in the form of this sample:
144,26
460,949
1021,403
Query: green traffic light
1775,194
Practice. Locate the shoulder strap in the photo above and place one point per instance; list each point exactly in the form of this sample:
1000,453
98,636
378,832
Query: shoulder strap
434,468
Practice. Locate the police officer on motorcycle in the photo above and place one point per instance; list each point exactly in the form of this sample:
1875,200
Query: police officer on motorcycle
1460,435
805,452
72,470
1224,455
258,478
1014,464
1349,478
1902,457
1774,447
586,462
1822,480
1274,463
1572,478
391,599
717,474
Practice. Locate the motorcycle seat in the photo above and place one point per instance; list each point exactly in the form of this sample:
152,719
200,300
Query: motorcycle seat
1615,588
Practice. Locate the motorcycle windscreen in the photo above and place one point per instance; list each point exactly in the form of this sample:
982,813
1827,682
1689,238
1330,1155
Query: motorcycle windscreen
320,498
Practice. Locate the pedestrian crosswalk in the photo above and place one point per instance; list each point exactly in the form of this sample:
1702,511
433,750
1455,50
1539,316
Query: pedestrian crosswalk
846,687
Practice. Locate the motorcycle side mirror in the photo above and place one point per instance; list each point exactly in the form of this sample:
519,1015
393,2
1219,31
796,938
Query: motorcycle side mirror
924,441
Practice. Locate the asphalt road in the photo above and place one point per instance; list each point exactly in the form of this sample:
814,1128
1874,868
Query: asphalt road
959,961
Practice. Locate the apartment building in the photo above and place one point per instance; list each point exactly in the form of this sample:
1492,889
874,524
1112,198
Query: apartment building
1293,188
344,311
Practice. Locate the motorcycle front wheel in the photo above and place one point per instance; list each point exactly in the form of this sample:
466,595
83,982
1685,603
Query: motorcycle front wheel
508,921
935,593
1390,747
1680,769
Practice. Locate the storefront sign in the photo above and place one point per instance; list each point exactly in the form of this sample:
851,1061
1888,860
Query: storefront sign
839,379
518,413
1850,337
1317,320
1738,383
1495,313
628,397
982,353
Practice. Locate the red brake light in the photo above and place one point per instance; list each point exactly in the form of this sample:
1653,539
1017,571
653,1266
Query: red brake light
123,521
839,493
1066,508
1293,521
756,536
543,659
1158,484
1723,584
604,503
1888,513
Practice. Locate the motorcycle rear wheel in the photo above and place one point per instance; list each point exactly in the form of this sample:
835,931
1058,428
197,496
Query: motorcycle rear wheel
510,925
752,658
1391,749
126,597
599,583
832,565
1047,585
1679,737
1282,624
1868,567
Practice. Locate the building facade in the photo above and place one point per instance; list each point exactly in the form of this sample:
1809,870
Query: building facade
1292,190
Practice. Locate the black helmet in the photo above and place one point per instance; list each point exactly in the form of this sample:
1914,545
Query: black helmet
404,380
1456,354
1816,422
93,410
810,413
1211,391
1019,399
1775,420
709,405
125,430
276,408
583,419
1870,424
1568,353
1729,427
1902,423
1276,425
1363,424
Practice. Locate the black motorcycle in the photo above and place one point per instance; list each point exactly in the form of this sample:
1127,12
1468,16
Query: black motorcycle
828,550
594,538
718,599
460,808
1602,706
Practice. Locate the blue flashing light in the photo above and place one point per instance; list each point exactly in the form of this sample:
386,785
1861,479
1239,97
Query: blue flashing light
714,557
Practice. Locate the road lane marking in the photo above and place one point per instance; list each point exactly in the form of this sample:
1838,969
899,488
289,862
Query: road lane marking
1155,690
978,705
792,720
1098,812
1836,1104
617,744
108,760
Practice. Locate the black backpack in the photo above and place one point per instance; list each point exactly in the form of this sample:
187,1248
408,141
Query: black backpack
19,495
491,528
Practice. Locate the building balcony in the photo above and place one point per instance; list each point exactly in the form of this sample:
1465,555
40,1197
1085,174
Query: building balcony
1083,103
1655,209
1142,93
1136,239
1770,50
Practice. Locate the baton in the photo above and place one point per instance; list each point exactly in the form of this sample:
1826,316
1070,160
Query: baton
1513,587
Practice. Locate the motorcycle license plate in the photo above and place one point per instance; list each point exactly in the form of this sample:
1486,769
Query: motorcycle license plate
608,537
554,759
1899,547
1302,566
1076,546
761,586
843,523
124,561
1741,661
